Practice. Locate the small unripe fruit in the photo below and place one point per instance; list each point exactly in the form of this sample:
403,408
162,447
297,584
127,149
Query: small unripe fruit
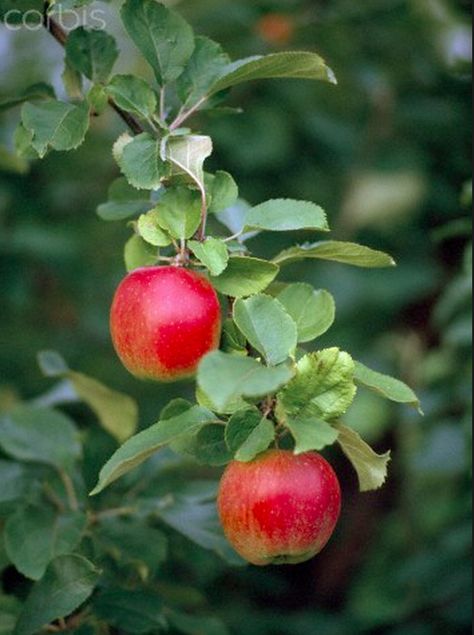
163,321
276,28
280,508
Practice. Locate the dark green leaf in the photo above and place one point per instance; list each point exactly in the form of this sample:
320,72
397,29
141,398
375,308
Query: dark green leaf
67,583
37,92
140,161
15,480
210,447
56,124
133,94
371,468
225,378
36,535
92,53
267,326
313,311
40,435
387,386
130,611
347,253
286,215
197,625
143,445
163,37
245,276
248,434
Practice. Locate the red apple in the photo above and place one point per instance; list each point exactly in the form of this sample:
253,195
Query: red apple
163,321
280,508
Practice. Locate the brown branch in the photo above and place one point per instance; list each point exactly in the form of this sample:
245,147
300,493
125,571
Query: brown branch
60,36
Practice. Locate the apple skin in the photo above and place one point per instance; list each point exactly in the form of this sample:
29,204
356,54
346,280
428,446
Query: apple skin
163,320
280,508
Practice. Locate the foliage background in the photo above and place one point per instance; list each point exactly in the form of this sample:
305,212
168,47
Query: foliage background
387,155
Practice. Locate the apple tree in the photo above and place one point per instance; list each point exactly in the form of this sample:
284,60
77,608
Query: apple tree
90,558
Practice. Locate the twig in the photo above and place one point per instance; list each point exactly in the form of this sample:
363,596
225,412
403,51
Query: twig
60,36
70,490
184,115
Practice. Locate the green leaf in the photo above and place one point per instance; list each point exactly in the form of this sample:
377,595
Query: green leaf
40,435
212,253
164,38
133,611
323,387
12,163
192,512
248,434
267,326
225,378
245,276
313,311
10,608
138,253
210,447
22,139
229,408
124,201
133,94
205,66
127,537
56,124
73,85
371,467
197,625
117,412
387,386
67,583
36,535
141,163
232,339
298,65
311,433
346,253
148,227
223,191
36,92
146,443
97,98
179,212
188,155
16,482
92,53
286,215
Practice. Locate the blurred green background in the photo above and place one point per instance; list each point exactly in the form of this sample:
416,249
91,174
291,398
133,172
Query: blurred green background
387,154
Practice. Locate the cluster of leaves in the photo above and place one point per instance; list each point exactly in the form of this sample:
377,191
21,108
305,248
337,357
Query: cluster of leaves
261,388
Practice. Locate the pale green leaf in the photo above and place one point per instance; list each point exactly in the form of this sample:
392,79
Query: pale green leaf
286,215
223,191
298,65
163,37
323,386
225,378
188,155
346,253
179,212
143,445
55,124
245,276
313,311
371,467
138,253
148,227
212,253
387,386
267,326
311,433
